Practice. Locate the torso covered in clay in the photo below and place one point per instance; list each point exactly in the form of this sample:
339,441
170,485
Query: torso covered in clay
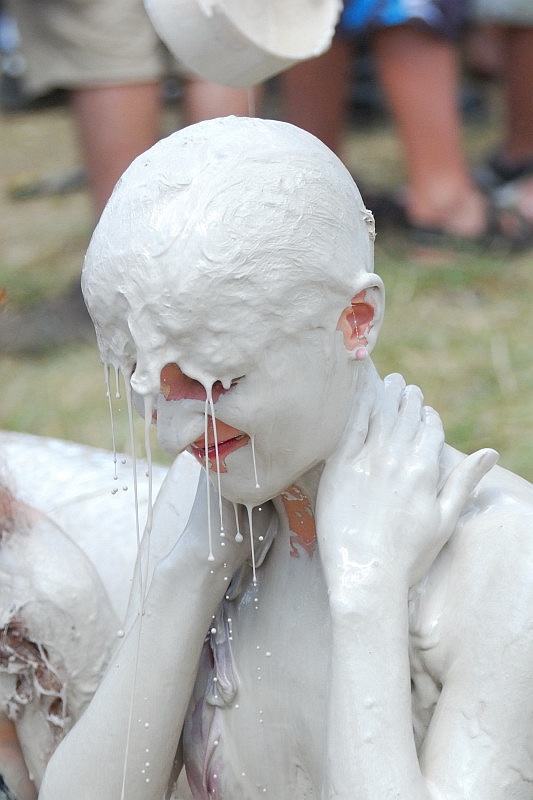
256,724
256,720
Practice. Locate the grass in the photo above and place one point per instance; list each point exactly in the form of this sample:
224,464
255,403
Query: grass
464,332
461,328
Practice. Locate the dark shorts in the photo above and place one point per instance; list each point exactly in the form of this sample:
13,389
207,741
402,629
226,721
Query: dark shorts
442,17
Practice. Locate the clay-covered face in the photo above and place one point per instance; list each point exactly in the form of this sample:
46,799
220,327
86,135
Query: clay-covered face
282,413
230,249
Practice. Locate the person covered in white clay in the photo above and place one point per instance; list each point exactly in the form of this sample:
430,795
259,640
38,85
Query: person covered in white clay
57,631
347,612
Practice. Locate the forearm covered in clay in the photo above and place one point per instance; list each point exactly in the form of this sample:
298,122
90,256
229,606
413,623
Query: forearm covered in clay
370,745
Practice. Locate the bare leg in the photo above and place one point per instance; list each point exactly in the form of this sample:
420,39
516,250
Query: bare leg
314,94
205,100
419,74
518,44
518,89
483,51
116,124
132,114
519,101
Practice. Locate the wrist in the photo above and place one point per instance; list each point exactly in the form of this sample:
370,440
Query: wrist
189,572
380,596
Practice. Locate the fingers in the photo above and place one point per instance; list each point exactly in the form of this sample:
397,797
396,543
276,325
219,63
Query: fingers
403,419
431,433
385,416
411,415
393,391
462,482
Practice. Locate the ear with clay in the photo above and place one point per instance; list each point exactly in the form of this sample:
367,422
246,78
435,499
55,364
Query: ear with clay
360,322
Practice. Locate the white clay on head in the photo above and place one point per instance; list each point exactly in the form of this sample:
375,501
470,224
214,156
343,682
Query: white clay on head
230,248
227,226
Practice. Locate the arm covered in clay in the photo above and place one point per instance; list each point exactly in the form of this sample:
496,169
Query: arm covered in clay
382,532
125,743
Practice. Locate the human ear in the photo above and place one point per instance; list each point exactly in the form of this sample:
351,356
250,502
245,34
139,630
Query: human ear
359,323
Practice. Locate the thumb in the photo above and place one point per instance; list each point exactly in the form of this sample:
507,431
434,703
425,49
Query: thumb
461,483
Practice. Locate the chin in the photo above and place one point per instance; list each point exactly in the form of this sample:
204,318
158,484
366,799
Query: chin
243,490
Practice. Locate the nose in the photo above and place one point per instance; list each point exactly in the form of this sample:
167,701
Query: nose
176,385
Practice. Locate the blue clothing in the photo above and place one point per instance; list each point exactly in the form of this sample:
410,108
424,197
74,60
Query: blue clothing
443,17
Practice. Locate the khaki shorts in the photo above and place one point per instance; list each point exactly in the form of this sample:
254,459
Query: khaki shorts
77,43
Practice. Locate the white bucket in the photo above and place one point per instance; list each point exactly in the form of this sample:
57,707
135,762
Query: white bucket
243,42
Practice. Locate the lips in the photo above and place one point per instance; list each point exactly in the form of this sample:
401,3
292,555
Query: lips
225,448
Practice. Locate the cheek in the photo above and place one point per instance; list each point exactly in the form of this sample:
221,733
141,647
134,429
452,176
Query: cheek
241,407
179,422
273,413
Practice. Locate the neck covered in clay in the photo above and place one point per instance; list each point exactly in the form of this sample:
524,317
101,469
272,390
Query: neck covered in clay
296,504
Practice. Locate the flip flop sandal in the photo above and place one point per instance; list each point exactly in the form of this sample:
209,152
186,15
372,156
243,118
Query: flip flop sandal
387,207
507,231
498,170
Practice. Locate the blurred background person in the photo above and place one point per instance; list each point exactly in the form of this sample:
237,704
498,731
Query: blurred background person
508,171
416,51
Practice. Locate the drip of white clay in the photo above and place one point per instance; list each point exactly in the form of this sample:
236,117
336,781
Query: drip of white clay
149,401
130,711
238,535
117,383
252,441
133,457
251,526
210,556
112,420
148,412
217,458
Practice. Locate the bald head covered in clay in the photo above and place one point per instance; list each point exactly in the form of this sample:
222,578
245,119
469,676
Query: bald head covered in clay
228,224
228,254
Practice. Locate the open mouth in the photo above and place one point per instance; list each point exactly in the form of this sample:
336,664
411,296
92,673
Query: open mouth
225,448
